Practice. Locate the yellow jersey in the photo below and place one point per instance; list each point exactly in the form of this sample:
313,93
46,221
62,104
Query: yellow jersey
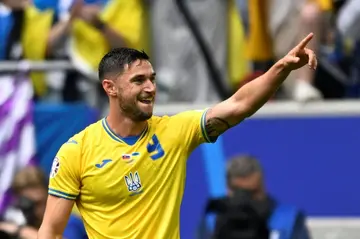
130,187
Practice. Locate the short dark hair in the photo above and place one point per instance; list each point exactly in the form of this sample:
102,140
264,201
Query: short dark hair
116,59
242,166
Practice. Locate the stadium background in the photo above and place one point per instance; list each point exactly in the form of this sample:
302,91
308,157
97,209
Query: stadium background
309,151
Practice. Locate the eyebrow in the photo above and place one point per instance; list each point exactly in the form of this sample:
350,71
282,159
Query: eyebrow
144,76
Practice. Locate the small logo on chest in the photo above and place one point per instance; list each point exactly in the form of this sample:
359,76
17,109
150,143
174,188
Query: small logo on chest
133,183
129,158
103,163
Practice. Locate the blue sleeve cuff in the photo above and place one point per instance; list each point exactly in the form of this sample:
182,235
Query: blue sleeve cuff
203,129
61,194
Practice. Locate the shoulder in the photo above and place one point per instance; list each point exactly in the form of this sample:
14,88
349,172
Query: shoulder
159,118
179,120
186,116
155,121
83,138
90,132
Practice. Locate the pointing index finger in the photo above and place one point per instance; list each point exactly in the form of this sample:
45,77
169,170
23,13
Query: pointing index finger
305,41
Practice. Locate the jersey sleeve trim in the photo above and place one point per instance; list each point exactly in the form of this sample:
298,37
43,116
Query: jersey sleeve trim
58,193
203,127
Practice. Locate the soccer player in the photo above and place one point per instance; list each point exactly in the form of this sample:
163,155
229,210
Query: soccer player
126,172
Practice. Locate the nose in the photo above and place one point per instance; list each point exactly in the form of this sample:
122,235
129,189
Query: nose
150,87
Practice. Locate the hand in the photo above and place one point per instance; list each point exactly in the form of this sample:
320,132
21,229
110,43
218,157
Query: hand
8,227
16,4
90,13
300,56
76,9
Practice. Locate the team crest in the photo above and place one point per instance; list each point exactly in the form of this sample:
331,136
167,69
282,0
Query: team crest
133,183
55,167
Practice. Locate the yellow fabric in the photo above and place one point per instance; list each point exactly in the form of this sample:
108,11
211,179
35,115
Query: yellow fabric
127,18
35,32
259,41
237,61
325,5
129,190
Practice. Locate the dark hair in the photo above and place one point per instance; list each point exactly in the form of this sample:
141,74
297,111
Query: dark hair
115,60
242,166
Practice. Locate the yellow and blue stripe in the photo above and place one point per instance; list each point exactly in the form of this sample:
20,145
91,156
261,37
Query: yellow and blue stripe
203,128
61,194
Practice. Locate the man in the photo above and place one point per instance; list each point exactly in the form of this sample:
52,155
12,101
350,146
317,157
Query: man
127,171
244,212
246,190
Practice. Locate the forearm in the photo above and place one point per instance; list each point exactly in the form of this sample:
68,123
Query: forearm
256,93
56,35
114,39
253,95
48,233
246,101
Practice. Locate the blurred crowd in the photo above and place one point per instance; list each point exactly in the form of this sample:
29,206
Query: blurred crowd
202,50
23,216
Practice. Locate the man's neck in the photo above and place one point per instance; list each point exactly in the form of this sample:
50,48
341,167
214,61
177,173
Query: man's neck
124,126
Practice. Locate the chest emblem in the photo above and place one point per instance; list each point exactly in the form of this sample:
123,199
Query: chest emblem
133,183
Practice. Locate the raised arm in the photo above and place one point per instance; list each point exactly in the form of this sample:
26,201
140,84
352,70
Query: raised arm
253,95
56,217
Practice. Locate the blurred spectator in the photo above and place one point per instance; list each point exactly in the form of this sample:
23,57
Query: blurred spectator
289,21
249,211
181,70
348,25
273,27
349,18
102,25
24,217
96,27
182,73
28,33
23,35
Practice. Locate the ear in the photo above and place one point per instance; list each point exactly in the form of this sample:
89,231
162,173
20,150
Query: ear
109,87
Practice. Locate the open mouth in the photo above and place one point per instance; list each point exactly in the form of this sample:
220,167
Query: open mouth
146,101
